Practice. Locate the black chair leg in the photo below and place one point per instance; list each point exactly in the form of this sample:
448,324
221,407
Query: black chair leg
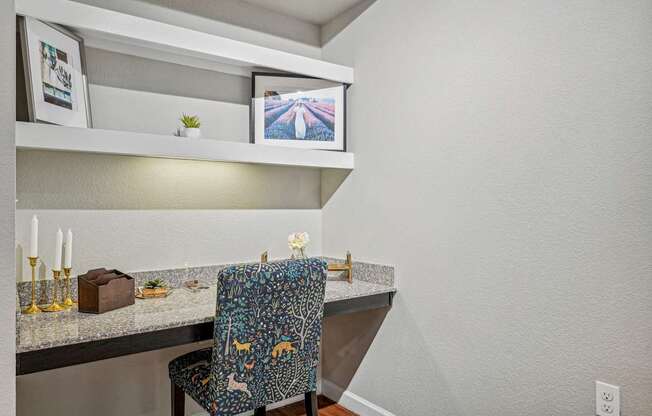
178,400
260,411
311,404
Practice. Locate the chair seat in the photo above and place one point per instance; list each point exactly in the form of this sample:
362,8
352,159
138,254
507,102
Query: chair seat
191,373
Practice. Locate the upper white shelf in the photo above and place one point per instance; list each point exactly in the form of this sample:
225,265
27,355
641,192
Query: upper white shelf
72,139
140,32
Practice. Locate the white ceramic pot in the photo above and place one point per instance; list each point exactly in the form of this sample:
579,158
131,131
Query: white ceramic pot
193,133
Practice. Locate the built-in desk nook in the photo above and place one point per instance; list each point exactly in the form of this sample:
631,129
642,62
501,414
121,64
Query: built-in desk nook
166,144
408,208
48,341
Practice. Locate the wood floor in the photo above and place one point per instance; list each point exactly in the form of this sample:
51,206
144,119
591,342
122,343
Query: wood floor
326,408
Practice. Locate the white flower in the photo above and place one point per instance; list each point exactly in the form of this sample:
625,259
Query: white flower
298,240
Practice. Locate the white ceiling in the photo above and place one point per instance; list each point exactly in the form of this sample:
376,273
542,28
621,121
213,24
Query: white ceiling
314,11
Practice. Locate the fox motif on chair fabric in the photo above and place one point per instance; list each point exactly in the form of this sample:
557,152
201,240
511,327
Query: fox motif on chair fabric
277,307
282,346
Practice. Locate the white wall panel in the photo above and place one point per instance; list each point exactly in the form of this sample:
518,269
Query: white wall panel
161,239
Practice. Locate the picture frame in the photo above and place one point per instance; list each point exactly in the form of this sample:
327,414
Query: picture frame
299,111
54,66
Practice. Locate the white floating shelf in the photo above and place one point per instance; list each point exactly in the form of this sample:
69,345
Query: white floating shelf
72,139
158,36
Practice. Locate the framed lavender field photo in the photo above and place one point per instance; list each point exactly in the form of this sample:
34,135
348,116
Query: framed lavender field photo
298,111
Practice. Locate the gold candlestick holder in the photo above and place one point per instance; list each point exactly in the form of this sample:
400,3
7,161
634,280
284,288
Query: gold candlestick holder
33,308
55,306
68,302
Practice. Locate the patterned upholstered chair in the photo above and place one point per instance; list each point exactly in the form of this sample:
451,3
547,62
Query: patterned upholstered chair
267,334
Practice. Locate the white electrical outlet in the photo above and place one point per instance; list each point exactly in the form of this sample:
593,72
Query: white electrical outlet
607,399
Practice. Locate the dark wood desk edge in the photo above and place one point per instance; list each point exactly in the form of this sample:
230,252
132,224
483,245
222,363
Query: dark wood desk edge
85,352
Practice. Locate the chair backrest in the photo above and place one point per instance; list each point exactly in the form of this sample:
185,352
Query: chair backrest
267,333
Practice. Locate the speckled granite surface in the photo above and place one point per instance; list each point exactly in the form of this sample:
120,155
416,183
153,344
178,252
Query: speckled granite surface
180,308
174,277
367,272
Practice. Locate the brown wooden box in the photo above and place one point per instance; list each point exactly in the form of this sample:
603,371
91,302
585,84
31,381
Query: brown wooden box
115,294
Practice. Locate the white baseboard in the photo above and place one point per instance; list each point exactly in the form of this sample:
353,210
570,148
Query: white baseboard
352,401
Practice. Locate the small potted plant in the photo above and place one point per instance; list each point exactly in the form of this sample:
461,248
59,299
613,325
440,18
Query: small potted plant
155,288
190,127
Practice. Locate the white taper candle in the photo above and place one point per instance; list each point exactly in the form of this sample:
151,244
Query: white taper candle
67,262
57,251
33,242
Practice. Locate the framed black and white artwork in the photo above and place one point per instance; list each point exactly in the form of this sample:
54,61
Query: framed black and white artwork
296,111
55,74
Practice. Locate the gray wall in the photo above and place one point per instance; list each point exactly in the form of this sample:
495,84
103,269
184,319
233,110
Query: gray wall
505,168
7,209
330,29
133,385
243,14
235,19
63,180
135,73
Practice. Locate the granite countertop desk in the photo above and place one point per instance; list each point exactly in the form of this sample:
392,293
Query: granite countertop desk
46,341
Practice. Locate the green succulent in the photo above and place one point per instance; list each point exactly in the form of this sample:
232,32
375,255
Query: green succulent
155,284
190,122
